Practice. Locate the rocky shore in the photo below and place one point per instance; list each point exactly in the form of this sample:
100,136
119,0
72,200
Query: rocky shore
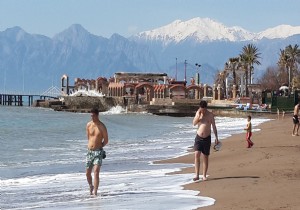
178,109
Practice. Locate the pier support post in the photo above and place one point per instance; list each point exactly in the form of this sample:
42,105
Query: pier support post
219,91
233,91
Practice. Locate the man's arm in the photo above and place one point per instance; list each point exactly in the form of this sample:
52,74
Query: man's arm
87,131
196,118
105,136
215,129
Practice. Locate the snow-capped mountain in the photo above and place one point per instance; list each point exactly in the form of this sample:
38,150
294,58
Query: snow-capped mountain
208,30
279,32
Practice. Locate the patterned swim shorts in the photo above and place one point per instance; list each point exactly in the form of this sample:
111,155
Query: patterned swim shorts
94,157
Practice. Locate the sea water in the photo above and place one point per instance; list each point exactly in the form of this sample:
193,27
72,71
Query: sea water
42,162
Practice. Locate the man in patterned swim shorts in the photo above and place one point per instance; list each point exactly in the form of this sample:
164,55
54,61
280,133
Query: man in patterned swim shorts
97,139
94,157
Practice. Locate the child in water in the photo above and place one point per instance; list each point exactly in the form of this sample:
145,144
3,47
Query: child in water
249,132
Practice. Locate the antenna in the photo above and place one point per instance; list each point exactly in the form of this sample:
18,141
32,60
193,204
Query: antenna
185,63
176,71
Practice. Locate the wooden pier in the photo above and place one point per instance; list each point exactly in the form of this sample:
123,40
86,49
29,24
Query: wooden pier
17,99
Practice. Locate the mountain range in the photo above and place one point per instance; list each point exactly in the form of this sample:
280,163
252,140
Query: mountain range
33,62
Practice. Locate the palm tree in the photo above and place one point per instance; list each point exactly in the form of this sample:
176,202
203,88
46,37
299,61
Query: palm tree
249,57
233,65
221,78
289,59
283,63
294,54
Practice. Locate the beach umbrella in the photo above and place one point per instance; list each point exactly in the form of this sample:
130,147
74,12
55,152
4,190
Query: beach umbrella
284,88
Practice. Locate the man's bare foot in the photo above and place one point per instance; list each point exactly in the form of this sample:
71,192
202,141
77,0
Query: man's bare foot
204,178
293,135
196,179
91,189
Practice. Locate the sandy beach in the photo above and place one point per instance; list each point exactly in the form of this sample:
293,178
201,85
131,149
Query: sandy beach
266,176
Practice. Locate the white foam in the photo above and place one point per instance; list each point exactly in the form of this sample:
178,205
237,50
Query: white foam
114,110
130,188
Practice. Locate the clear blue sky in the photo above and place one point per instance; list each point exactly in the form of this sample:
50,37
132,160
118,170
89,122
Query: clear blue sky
127,17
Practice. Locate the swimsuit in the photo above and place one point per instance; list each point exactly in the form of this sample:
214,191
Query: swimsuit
202,144
295,119
94,157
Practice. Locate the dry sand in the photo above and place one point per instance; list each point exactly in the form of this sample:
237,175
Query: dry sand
266,176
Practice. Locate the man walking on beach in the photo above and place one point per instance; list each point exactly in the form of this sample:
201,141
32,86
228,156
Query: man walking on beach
97,139
205,120
296,120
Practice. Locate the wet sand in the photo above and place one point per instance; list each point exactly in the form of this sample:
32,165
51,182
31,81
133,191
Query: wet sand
266,176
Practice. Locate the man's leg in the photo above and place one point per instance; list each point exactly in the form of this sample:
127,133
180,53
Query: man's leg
294,129
90,179
250,143
205,166
96,178
248,140
197,165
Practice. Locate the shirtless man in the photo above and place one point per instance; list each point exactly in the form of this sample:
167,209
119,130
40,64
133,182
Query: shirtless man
296,120
97,139
205,120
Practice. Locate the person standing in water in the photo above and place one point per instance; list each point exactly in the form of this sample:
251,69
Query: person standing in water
97,138
205,121
249,132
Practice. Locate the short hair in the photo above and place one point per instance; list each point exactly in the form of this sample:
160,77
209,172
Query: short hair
249,117
203,104
95,111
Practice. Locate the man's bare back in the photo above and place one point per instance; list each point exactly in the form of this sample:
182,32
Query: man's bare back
296,109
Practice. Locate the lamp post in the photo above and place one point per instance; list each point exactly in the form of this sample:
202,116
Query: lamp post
185,63
289,77
198,74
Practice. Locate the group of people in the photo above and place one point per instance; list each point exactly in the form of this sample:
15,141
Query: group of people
204,119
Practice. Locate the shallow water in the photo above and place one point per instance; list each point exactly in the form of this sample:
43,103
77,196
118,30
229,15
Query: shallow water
43,160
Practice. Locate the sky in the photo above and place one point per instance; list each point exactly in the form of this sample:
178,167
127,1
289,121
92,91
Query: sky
128,17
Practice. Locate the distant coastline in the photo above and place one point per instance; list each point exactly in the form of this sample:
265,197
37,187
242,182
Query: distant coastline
83,104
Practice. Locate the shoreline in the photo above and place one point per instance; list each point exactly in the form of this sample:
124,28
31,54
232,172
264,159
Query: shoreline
266,176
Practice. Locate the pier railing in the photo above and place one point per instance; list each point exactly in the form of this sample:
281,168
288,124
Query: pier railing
19,98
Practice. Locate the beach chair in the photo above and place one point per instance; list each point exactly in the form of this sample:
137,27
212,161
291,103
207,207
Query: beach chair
240,107
247,107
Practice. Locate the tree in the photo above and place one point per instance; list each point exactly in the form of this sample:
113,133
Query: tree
271,79
233,65
249,57
220,78
288,59
293,54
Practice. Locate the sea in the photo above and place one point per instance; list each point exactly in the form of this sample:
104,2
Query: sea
42,162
